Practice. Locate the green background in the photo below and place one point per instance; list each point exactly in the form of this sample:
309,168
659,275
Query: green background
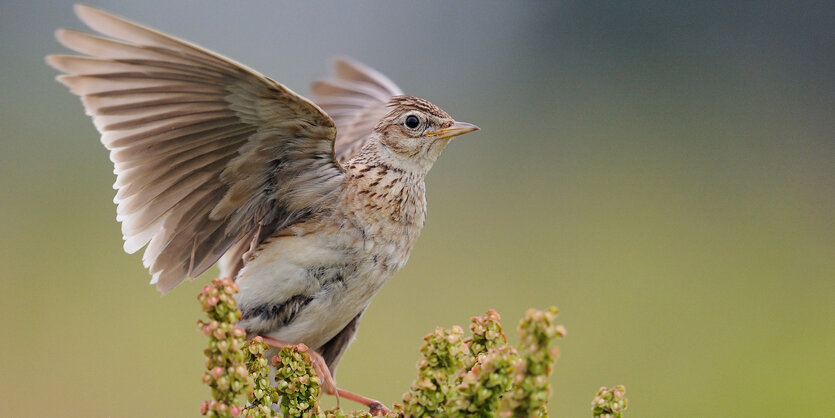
664,172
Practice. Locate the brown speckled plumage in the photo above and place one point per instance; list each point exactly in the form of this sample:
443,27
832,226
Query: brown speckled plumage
310,205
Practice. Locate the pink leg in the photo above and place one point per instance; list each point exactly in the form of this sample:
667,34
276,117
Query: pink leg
321,367
374,406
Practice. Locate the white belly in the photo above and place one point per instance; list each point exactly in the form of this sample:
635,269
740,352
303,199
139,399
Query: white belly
339,280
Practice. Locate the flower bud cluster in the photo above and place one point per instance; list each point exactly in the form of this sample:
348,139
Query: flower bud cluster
460,376
530,391
297,384
487,333
443,358
483,386
263,395
226,374
609,402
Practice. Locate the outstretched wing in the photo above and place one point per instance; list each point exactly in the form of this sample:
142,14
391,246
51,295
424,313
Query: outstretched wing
356,98
206,150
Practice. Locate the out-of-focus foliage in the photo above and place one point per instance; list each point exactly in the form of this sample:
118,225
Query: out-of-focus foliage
609,402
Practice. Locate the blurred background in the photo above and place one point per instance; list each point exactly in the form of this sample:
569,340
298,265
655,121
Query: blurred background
663,172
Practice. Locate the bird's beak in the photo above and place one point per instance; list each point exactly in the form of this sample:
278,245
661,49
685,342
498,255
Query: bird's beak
457,128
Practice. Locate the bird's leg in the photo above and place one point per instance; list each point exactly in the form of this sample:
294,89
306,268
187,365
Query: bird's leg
321,367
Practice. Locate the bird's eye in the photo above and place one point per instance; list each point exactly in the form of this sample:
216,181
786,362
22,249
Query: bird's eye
412,121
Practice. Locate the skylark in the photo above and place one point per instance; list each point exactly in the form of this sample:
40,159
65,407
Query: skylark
311,206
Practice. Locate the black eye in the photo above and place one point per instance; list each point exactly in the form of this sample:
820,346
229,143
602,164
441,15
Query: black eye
412,121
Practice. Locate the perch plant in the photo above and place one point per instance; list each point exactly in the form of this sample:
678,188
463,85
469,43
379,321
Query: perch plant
458,375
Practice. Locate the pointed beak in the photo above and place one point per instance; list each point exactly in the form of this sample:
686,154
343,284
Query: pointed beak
457,128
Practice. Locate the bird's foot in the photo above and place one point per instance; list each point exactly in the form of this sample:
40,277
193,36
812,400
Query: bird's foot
321,368
374,406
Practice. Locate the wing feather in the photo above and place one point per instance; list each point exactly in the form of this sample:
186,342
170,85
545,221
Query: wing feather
206,151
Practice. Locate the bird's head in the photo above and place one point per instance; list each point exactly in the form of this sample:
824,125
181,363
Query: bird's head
414,132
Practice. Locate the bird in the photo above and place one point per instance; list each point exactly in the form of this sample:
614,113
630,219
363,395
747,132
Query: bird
309,205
